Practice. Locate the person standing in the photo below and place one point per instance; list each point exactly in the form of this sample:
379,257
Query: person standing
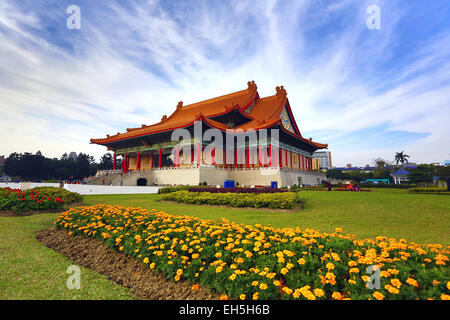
329,186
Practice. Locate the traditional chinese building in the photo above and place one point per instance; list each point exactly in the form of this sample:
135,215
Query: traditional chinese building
149,156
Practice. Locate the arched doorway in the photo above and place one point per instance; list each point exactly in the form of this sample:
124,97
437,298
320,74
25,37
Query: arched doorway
142,182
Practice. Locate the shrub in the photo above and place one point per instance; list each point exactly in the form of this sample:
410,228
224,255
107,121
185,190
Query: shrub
285,200
429,190
69,197
238,190
261,262
19,201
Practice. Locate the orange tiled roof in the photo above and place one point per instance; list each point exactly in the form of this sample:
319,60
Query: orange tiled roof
264,114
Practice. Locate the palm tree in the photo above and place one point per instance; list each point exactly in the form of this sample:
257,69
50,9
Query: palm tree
401,157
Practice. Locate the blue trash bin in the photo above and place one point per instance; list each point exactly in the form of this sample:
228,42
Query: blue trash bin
229,184
274,184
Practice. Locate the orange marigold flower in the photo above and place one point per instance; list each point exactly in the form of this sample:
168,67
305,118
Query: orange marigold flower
378,295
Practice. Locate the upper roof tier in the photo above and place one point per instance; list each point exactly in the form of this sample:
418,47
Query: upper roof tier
259,113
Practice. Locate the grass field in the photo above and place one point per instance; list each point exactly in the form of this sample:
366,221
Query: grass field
32,271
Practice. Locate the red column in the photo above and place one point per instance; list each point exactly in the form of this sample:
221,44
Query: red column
281,157
138,164
114,161
153,160
235,158
213,156
160,158
247,157
199,155
310,164
270,155
299,166
177,157
260,156
125,167
192,154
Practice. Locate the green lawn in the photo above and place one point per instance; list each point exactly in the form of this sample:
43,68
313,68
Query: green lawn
32,271
29,270
421,218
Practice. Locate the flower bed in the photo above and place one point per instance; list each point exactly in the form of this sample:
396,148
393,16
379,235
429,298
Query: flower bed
18,201
239,190
285,200
260,262
69,197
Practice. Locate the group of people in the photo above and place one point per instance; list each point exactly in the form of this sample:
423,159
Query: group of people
350,187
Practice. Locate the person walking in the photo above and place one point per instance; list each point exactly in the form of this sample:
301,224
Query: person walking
329,186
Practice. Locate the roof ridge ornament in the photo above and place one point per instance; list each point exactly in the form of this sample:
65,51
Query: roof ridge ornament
179,105
251,85
164,118
281,92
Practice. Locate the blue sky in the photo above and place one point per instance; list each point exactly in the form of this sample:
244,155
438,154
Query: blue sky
367,93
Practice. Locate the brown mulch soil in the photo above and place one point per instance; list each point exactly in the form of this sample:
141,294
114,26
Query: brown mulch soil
124,270
8,213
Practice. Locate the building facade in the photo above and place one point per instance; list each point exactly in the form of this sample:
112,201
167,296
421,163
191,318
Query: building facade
238,136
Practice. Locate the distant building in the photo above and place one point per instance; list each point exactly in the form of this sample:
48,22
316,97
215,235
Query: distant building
447,163
2,160
324,158
400,176
73,155
349,167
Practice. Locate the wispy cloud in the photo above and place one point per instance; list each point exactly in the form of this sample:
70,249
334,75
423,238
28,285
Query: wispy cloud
368,93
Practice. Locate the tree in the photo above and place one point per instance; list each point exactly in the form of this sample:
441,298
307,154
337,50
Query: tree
106,162
401,157
419,176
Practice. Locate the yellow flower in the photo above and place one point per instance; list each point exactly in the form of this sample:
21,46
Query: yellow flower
378,295
152,265
412,282
338,230
445,297
179,272
219,269
337,296
353,270
301,261
318,292
330,266
223,297
232,277
256,296
218,254
263,286
396,283
391,289
255,283
284,270
146,260
242,297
